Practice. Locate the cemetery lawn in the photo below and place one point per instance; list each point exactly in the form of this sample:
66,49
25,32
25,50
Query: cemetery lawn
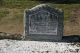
12,14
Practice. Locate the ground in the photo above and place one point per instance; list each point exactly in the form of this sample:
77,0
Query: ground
12,22
15,46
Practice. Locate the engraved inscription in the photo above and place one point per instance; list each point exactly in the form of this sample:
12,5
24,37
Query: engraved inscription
43,22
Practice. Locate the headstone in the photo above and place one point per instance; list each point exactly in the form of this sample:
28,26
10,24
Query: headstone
44,23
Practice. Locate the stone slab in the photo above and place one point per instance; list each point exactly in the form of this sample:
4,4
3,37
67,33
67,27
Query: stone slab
44,22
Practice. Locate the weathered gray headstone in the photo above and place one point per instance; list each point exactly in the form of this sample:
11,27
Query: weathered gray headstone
44,23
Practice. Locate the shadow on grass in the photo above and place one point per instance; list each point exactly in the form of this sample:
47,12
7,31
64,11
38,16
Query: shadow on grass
59,1
71,38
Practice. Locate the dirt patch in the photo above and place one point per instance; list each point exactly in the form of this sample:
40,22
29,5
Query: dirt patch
12,22
72,26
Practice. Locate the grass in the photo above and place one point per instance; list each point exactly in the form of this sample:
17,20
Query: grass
20,3
3,13
23,4
11,13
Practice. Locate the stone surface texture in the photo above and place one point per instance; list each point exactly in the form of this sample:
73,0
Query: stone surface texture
44,22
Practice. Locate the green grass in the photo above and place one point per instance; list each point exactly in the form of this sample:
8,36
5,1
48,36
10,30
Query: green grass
3,13
19,3
23,4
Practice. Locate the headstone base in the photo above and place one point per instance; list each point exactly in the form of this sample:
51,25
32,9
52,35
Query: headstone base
43,38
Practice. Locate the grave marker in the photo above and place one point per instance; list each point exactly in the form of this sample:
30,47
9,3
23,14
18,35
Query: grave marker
44,23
